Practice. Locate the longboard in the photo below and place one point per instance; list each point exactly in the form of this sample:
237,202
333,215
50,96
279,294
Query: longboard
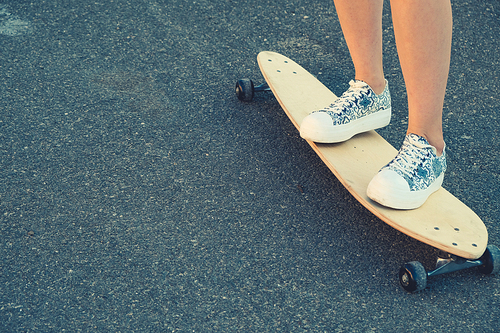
443,222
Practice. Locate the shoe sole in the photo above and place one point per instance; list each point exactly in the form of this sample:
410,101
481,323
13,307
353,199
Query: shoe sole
340,133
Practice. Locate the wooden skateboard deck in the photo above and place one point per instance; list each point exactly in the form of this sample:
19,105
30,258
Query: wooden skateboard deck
443,222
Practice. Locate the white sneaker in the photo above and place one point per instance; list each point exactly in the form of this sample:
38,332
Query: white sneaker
358,110
411,177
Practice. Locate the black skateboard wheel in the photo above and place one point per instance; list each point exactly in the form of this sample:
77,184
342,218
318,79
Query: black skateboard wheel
490,260
413,277
245,90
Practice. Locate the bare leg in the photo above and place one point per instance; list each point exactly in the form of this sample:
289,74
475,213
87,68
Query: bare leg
361,23
423,30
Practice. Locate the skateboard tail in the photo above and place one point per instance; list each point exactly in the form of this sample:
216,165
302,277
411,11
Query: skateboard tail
462,233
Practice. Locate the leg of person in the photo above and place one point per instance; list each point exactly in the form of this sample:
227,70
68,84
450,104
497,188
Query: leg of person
366,105
423,30
361,22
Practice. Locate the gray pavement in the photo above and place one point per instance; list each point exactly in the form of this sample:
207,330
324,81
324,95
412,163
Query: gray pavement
138,194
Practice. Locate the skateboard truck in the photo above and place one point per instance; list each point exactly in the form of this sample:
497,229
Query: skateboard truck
245,89
413,276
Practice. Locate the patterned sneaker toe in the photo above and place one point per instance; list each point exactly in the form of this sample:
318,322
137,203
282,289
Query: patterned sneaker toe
358,110
411,177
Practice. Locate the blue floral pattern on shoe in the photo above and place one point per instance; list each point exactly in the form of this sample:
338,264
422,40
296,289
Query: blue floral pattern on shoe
418,163
358,101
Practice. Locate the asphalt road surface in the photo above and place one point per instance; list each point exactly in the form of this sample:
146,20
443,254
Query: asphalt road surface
138,194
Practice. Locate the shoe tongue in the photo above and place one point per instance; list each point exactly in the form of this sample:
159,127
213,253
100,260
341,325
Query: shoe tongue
420,142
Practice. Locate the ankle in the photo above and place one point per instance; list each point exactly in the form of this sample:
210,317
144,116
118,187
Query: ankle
375,84
439,147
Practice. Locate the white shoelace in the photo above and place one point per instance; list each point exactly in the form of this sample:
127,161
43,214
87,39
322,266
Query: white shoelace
356,88
409,157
